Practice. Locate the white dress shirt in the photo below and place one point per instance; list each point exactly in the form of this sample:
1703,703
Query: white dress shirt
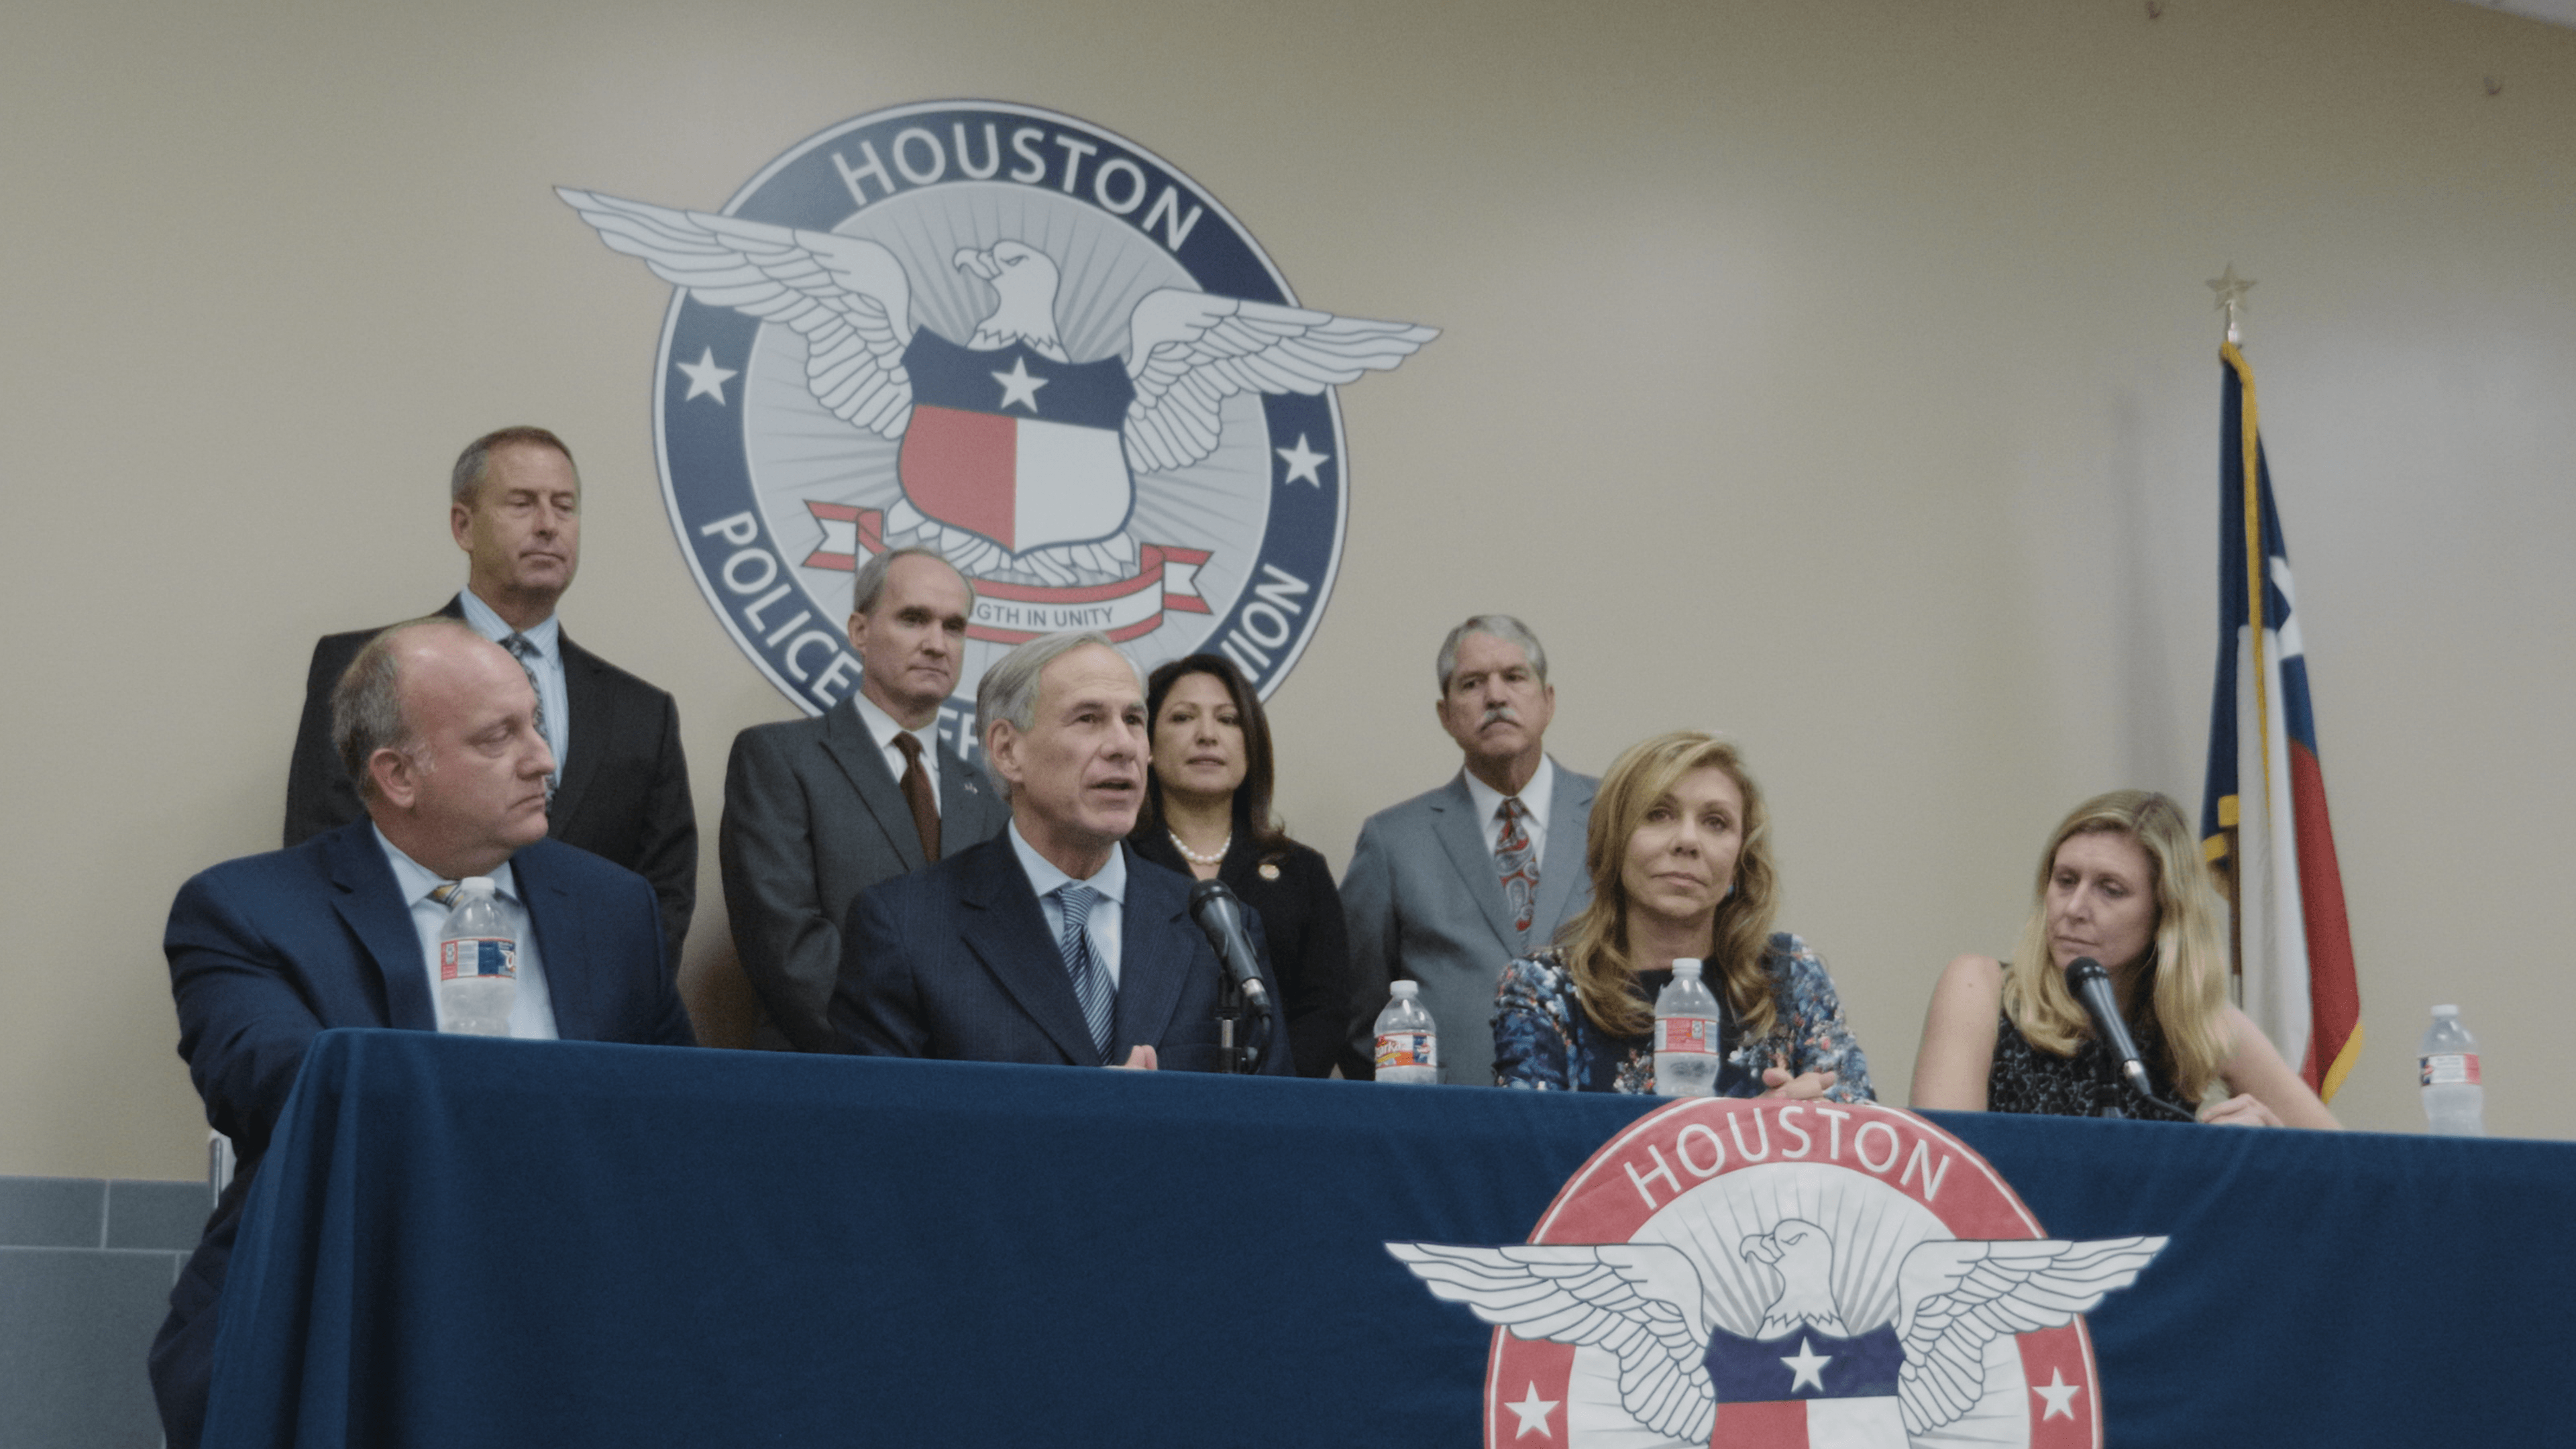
1534,798
547,666
882,729
1107,913
532,1010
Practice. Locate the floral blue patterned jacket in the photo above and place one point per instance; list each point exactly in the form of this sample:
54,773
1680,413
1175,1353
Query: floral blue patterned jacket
1543,1040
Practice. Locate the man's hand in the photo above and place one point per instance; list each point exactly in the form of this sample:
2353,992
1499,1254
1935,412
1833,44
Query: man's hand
1139,1060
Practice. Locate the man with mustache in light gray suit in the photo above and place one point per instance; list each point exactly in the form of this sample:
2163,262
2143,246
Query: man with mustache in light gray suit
1448,887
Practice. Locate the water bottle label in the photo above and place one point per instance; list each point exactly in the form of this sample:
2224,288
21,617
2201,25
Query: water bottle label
478,956
1404,1049
1686,1034
2450,1069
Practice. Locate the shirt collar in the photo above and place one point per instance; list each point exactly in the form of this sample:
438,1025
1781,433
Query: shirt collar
882,727
1044,878
1534,795
416,880
492,626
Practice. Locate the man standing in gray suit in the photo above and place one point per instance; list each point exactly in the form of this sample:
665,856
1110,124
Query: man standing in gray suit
818,810
1448,887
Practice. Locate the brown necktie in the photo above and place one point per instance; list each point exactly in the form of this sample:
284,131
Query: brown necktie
916,793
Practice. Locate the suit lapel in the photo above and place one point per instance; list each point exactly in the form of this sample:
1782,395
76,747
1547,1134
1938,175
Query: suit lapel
1007,932
1562,871
966,800
1156,940
586,699
556,920
847,741
1453,819
371,903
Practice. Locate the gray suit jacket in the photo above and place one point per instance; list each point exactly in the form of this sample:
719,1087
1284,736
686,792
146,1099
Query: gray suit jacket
812,817
1424,902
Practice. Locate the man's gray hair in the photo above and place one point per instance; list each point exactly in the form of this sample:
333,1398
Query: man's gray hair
1009,690
465,480
869,584
366,705
1500,626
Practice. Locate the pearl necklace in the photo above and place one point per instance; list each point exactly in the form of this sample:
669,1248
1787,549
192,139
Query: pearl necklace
1193,857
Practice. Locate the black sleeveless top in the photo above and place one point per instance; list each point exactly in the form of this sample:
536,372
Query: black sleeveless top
2087,1084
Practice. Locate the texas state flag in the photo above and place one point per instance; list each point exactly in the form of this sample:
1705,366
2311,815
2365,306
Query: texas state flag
1807,1390
1016,446
2263,815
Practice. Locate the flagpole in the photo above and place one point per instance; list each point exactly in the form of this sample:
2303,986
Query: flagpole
2231,290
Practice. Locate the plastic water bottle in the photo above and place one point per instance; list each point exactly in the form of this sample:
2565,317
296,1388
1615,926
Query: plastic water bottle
478,963
1408,1045
2454,1102
1686,1023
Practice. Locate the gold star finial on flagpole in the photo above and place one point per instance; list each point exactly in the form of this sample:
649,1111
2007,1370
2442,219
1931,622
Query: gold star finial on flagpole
2231,290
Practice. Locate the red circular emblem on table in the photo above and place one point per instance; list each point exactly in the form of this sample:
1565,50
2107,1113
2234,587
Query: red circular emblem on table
1757,1273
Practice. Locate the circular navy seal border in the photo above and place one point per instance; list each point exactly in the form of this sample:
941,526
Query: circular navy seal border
797,639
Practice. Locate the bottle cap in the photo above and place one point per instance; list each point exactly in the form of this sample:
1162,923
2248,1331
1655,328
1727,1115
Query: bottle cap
1685,965
2446,1011
1406,990
475,885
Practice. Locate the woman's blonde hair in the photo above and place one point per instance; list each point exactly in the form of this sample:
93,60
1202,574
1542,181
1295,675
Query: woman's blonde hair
2188,960
1596,941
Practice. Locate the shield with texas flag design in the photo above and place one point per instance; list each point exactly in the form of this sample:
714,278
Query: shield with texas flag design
1014,446
1807,1390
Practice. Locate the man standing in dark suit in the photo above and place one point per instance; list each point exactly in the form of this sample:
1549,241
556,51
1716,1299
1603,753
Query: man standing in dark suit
817,810
621,787
439,728
1052,943
1451,886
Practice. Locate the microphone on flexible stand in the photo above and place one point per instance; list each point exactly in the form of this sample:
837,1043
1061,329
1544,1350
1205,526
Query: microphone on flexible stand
2091,985
1220,915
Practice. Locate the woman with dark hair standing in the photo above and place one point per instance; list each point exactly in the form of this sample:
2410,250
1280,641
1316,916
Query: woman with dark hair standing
1207,814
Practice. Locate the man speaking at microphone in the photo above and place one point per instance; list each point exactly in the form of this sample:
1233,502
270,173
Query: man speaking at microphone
1052,942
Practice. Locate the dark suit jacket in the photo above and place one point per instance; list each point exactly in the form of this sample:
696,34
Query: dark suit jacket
269,950
955,962
1425,903
812,817
625,791
1301,924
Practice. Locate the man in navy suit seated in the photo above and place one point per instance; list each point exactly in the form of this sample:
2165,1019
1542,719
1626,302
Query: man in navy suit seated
1052,942
438,727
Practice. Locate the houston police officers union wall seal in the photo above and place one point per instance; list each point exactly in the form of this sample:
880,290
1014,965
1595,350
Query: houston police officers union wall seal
1021,340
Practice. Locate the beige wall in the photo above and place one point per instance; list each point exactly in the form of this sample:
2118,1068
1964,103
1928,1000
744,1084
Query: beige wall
1836,374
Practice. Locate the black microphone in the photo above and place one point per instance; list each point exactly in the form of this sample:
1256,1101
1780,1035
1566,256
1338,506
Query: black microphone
2091,985
1220,915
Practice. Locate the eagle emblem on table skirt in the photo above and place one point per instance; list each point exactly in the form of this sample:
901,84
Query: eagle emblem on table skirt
1760,1273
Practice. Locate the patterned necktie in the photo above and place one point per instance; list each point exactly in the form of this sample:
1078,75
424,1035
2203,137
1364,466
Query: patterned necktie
1090,982
524,649
444,891
916,793
1516,860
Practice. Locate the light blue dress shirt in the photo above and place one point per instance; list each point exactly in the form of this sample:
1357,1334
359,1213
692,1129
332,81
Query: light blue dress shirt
1108,913
532,1009
547,666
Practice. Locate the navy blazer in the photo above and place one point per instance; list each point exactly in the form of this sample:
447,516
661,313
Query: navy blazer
268,951
954,961
624,795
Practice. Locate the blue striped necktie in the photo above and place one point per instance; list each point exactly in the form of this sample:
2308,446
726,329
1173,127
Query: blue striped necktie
1090,981
525,650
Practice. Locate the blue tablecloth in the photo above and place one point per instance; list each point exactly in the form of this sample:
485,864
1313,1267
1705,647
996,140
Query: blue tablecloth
470,1242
